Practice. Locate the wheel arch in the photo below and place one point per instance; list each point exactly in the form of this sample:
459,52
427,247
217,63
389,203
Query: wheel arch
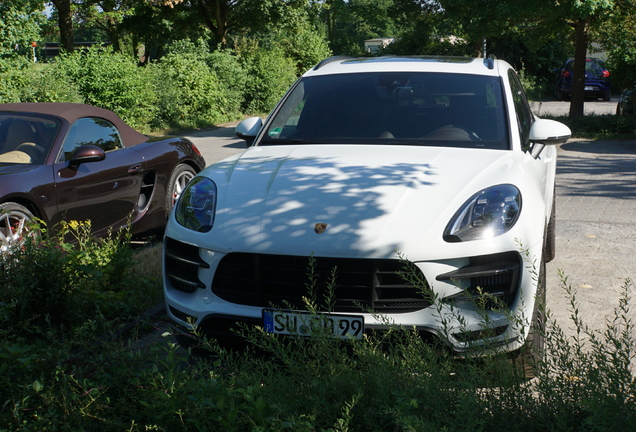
34,209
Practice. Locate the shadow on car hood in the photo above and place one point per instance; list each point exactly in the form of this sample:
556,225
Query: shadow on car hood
368,201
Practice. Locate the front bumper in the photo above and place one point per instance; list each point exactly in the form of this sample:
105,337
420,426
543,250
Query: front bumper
451,300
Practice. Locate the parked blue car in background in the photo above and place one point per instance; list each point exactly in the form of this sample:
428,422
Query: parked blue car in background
597,81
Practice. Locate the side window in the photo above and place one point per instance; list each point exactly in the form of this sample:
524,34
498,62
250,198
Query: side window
522,109
91,130
286,121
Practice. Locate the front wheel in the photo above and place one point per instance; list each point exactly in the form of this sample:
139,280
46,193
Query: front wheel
529,356
549,250
14,224
179,179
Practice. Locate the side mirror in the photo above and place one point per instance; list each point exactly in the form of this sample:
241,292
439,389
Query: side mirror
248,129
547,132
86,154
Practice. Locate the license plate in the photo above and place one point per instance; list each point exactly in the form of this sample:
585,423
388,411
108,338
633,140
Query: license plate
305,324
590,88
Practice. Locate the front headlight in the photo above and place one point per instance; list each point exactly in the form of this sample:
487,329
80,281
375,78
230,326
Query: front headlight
196,207
488,213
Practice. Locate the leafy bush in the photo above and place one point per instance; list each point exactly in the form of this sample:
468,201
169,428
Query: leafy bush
112,81
49,282
270,73
232,79
22,81
304,45
533,89
46,83
12,79
189,92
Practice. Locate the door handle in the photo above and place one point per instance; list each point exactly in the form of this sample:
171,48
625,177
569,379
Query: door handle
135,169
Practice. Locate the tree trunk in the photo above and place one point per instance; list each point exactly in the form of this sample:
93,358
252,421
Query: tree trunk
578,80
66,23
215,14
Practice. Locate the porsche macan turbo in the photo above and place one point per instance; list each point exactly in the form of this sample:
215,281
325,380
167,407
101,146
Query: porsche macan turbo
366,163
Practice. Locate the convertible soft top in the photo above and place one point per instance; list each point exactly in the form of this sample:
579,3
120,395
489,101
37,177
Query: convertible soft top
73,111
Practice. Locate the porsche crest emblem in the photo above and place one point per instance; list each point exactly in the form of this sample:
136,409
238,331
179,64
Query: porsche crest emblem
320,228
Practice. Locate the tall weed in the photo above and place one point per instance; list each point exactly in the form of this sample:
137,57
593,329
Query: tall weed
76,379
61,279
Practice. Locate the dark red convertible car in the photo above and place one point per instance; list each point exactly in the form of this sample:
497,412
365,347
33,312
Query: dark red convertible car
62,161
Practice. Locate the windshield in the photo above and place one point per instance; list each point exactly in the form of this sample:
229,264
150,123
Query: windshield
26,139
396,108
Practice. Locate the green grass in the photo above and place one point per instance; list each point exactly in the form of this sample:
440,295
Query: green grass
601,127
75,372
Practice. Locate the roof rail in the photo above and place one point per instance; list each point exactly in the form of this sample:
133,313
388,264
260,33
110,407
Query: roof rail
331,60
489,61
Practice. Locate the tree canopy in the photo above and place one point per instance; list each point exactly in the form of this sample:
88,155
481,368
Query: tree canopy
20,24
535,37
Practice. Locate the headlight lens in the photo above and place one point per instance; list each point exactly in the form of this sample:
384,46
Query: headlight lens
196,207
488,213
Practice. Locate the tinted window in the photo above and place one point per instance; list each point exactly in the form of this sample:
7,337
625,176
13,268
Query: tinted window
591,65
400,108
91,131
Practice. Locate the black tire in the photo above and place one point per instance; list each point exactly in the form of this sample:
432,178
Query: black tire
14,224
180,177
607,96
549,249
528,357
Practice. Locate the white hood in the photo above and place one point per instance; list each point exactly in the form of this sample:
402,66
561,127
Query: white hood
375,200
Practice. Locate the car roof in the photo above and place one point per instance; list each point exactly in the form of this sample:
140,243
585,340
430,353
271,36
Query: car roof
474,66
74,111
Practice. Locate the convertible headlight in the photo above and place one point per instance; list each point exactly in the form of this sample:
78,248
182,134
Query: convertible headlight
488,213
196,207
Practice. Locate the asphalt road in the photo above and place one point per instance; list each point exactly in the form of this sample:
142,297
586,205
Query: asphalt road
596,216
555,108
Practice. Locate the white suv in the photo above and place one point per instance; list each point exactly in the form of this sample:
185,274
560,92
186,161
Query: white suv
363,165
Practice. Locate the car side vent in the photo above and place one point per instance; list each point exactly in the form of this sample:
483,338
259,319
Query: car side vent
282,281
147,186
182,263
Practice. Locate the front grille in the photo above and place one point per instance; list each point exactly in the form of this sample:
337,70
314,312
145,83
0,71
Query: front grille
361,285
181,263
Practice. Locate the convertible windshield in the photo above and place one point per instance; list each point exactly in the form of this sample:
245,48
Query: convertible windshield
400,108
26,139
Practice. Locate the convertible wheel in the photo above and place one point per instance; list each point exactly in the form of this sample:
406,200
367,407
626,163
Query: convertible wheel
14,220
180,177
